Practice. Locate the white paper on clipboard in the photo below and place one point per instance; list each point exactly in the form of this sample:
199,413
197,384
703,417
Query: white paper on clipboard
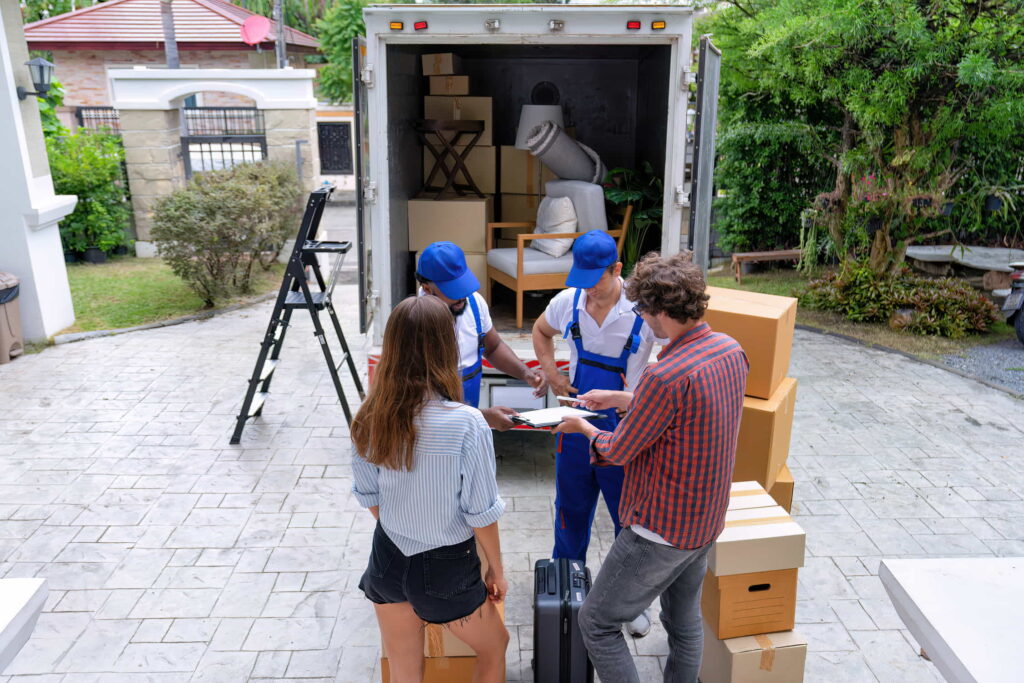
549,417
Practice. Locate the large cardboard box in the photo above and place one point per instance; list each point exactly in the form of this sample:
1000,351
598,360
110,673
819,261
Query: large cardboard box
519,207
461,109
449,85
765,658
765,431
462,220
481,162
782,489
522,173
748,604
763,325
745,495
757,540
438,670
441,64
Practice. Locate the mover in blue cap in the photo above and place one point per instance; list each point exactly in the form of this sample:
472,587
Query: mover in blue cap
442,272
609,348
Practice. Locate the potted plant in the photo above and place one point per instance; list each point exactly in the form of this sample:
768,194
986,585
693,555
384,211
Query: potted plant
645,192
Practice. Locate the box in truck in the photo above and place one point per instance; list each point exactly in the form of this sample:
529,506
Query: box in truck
623,76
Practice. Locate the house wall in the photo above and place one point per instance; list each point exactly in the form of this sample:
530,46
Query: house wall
83,73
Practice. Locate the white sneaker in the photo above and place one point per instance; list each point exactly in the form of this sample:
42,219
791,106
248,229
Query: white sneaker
641,626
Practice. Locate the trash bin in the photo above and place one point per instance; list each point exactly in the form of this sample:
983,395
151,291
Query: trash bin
11,344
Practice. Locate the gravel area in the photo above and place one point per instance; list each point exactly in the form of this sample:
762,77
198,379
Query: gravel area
1001,363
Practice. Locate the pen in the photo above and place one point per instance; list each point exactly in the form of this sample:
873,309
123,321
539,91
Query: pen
574,399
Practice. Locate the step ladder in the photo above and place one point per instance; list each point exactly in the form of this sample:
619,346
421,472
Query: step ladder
295,293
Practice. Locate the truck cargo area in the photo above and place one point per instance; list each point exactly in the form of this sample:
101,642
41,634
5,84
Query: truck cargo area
615,99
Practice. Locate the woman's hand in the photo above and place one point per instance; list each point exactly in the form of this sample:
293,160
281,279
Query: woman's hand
497,586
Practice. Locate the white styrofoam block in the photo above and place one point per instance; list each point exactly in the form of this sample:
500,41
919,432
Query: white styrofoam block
21,601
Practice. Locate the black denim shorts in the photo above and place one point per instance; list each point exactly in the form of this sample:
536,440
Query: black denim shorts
441,585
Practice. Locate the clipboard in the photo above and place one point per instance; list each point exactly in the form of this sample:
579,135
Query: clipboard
550,417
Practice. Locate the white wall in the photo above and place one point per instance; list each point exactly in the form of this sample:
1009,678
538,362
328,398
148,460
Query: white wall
29,238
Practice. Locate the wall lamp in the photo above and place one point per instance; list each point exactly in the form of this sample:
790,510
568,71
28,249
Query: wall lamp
42,74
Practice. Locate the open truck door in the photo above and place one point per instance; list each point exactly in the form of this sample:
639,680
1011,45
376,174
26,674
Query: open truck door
366,191
705,123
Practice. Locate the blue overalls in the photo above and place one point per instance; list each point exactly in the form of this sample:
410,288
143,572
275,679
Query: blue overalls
577,482
471,375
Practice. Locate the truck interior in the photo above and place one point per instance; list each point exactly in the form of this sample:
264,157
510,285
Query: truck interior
615,96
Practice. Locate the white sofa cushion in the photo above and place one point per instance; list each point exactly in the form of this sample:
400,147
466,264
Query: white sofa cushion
534,262
554,215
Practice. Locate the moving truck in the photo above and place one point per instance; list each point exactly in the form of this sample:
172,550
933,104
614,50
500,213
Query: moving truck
622,75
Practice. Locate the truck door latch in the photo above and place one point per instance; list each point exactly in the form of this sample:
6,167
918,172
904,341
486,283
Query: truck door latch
366,76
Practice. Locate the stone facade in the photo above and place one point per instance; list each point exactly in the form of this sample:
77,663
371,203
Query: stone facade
83,73
284,128
152,148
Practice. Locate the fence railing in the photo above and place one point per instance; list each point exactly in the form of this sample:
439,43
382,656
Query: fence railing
104,119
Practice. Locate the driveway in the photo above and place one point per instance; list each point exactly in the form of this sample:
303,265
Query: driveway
173,556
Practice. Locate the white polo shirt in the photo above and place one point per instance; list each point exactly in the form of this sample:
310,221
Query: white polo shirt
606,339
465,329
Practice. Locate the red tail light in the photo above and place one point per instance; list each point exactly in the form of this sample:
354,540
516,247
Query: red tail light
633,25
419,25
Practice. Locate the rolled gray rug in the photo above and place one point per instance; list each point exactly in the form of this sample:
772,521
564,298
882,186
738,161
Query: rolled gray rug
568,159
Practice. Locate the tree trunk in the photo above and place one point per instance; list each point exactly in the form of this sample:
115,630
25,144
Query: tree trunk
170,43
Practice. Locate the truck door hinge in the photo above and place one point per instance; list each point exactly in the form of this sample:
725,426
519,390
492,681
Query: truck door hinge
682,197
370,192
688,78
366,76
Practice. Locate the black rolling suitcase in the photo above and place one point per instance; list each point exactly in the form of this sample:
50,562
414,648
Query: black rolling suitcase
558,652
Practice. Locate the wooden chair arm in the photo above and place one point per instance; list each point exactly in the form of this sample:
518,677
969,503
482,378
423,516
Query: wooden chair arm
491,226
525,237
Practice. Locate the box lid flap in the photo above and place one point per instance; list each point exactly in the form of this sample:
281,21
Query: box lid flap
777,640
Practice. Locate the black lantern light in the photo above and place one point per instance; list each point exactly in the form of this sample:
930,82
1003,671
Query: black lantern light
42,74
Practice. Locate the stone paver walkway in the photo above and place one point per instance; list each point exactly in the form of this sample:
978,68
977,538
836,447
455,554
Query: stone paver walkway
173,556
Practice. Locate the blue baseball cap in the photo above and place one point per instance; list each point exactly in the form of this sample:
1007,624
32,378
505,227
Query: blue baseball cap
444,264
591,255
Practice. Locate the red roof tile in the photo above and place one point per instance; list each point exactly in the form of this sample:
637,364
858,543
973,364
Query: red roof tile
206,22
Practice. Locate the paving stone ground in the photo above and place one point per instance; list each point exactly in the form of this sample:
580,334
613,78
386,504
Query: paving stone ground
173,556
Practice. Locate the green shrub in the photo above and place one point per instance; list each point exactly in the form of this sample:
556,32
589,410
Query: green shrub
89,165
770,173
214,231
947,307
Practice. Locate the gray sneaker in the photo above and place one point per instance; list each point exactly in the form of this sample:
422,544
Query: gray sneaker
641,626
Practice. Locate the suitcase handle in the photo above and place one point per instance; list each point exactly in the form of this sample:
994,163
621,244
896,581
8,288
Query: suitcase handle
759,587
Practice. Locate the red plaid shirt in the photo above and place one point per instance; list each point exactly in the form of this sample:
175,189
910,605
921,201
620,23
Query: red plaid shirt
678,441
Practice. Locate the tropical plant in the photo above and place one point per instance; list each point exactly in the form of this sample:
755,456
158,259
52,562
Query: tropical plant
90,165
224,223
644,191
913,93
48,110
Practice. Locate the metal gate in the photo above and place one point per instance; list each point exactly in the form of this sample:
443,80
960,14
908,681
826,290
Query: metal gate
221,137
335,142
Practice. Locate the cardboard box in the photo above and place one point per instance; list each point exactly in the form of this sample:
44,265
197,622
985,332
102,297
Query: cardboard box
757,540
746,495
782,489
462,220
438,670
439,641
763,325
461,109
449,85
481,162
519,207
441,64
765,430
766,658
748,604
522,173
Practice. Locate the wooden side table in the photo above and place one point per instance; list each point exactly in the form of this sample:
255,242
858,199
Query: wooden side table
434,135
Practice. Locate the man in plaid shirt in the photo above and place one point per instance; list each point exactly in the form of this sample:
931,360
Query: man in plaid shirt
678,445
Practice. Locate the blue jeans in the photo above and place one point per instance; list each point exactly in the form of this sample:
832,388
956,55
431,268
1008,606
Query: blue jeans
635,572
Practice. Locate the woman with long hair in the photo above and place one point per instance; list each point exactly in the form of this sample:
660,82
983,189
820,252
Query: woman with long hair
424,467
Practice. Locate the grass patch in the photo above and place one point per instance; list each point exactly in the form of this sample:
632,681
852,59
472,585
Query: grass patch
788,282
126,292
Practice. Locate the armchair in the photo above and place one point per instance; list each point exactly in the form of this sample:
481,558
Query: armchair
522,269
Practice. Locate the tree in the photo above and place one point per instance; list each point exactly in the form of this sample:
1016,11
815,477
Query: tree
913,93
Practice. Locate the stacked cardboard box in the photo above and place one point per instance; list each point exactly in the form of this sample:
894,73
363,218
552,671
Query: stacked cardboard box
459,219
749,594
522,184
763,325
